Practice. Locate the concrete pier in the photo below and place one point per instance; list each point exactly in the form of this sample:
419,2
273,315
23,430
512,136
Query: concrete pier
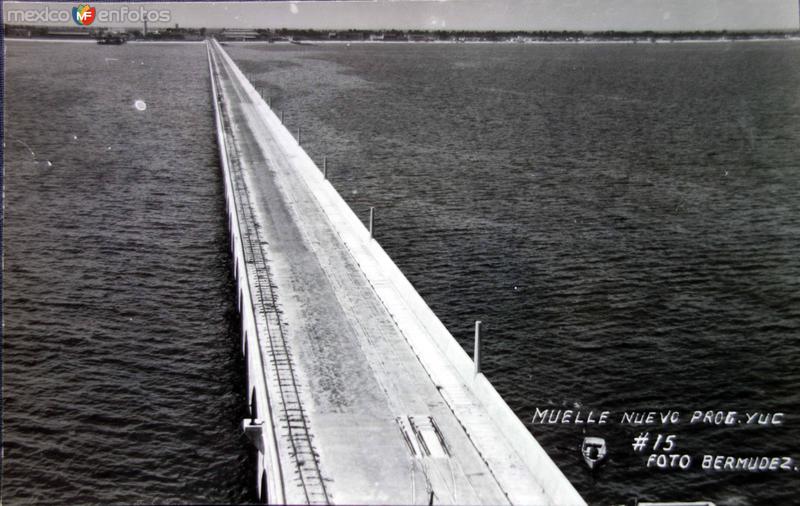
358,393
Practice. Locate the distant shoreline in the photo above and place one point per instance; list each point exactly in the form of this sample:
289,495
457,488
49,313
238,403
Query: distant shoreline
510,42
85,40
312,36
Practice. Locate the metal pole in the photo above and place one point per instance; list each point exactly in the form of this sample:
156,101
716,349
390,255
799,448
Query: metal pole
298,135
269,100
325,166
477,351
371,220
281,116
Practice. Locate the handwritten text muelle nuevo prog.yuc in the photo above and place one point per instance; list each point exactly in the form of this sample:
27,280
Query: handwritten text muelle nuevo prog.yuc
550,416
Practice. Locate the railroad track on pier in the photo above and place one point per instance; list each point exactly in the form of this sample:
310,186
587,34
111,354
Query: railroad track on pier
292,421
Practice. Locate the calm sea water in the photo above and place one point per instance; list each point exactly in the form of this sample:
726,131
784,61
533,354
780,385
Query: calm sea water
625,219
121,373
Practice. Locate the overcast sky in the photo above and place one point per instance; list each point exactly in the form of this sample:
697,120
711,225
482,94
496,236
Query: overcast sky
588,15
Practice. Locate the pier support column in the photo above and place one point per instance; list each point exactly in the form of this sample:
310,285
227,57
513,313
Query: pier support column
299,133
477,351
253,429
325,166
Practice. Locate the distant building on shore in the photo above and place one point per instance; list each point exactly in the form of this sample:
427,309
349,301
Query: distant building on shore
239,34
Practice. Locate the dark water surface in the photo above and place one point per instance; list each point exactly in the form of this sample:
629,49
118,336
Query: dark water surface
121,371
624,218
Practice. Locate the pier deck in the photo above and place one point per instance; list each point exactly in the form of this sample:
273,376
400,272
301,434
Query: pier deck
365,405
